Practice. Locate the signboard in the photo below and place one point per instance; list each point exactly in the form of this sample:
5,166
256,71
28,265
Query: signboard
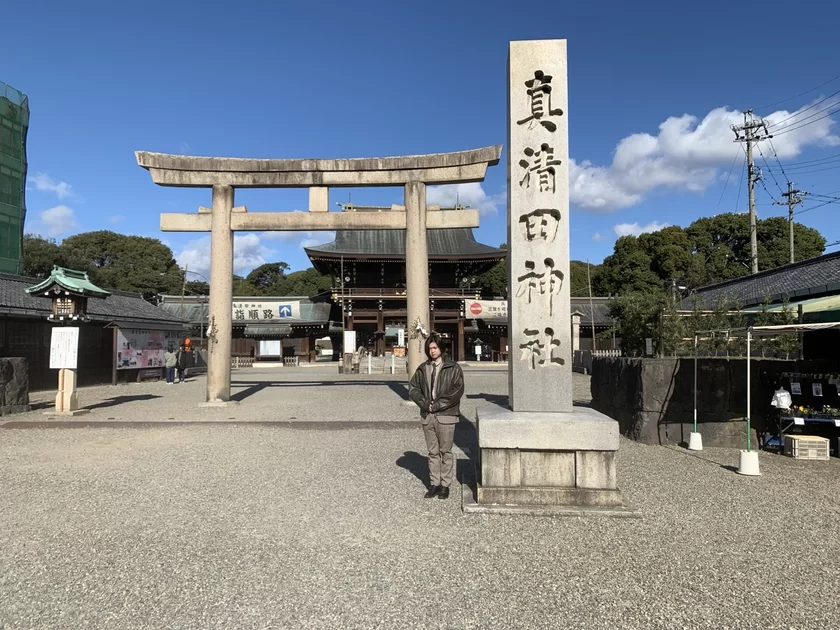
268,310
481,309
64,348
141,349
349,341
649,346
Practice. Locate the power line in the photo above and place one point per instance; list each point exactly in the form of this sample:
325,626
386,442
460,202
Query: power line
808,167
819,205
817,170
822,159
800,94
761,153
726,182
795,127
740,183
778,161
802,111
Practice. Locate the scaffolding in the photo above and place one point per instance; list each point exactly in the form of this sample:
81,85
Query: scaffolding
14,126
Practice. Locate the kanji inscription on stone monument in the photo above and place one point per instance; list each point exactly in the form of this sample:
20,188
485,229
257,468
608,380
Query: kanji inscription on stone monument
538,230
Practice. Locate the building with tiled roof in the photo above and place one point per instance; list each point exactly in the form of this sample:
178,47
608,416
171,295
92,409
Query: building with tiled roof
25,331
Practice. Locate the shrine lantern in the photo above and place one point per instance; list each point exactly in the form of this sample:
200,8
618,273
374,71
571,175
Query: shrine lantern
69,291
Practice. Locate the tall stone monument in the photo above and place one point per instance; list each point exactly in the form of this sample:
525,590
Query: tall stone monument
542,452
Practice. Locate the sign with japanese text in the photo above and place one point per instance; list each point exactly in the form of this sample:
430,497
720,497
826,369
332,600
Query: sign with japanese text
138,348
267,310
64,348
481,309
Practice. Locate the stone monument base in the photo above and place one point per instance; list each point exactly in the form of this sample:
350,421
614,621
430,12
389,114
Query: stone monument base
552,462
220,404
69,413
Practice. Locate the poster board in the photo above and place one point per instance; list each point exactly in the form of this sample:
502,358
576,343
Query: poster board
64,348
139,349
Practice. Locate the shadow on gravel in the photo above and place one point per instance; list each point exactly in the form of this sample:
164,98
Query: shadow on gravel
679,449
416,464
400,389
119,400
253,387
496,399
466,438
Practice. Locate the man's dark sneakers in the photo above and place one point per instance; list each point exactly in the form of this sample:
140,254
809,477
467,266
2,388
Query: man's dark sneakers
431,492
444,492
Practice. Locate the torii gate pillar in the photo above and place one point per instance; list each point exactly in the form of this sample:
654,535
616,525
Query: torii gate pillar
221,296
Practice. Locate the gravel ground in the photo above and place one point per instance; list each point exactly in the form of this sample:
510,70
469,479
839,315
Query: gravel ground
254,526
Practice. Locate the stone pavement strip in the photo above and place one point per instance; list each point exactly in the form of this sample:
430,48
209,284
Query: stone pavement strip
307,526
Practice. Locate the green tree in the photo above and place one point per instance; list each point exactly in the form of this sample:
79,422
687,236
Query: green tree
264,277
637,316
710,250
197,287
126,263
242,287
579,283
308,282
494,282
41,254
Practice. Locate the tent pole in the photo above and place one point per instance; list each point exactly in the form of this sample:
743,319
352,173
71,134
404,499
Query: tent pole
695,382
749,430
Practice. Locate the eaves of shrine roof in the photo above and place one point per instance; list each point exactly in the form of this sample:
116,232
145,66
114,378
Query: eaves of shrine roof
443,244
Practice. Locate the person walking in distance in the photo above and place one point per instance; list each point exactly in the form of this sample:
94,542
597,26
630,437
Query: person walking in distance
436,387
170,361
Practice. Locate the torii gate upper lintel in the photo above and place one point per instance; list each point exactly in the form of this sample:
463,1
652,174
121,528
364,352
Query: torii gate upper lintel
223,175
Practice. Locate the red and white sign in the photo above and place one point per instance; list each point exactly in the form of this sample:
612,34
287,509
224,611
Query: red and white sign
496,309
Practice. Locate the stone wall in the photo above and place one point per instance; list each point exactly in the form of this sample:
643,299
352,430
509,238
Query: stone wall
14,386
653,399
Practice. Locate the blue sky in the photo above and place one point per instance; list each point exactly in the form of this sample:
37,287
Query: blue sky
652,91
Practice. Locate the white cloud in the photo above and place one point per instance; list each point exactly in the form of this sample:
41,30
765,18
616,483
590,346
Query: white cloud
686,155
596,237
248,253
634,229
471,195
58,222
46,183
117,218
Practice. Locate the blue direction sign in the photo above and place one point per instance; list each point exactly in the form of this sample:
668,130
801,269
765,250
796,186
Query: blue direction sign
284,310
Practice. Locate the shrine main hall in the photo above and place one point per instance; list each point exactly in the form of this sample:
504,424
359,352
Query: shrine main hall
368,272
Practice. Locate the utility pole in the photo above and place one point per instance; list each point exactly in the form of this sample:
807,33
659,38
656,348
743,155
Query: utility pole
793,199
183,291
591,307
750,133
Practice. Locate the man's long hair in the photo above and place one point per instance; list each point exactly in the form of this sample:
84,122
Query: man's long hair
431,339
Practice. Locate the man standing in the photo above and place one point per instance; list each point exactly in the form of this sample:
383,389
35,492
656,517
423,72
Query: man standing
436,387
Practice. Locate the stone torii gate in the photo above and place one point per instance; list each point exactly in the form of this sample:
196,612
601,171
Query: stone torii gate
224,175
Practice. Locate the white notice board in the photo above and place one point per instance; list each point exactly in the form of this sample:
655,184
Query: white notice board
64,348
349,341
